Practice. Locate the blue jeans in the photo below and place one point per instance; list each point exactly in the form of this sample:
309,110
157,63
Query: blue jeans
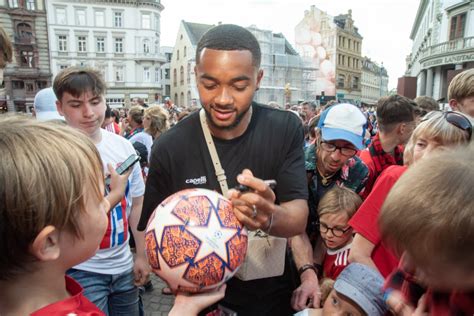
114,294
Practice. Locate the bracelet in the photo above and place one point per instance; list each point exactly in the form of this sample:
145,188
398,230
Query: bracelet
269,227
307,267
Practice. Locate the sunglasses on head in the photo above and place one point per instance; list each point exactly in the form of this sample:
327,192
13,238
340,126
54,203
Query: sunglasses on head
455,118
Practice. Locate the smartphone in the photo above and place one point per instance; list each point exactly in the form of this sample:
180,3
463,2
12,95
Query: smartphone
124,166
243,188
127,164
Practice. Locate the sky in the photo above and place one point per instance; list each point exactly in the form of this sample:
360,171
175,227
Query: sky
384,24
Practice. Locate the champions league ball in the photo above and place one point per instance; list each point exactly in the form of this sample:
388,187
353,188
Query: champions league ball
194,242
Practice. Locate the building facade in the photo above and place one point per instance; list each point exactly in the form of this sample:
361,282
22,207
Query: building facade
283,67
332,45
167,51
443,45
349,60
374,83
121,38
30,70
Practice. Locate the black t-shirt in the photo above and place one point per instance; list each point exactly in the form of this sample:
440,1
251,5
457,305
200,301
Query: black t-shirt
271,147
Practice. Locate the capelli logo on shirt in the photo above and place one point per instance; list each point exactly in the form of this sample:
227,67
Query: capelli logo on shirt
197,181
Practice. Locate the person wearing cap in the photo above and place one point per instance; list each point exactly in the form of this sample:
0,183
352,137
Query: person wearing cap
340,135
357,291
396,122
45,105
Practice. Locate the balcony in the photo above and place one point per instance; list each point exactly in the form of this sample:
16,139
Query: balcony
455,51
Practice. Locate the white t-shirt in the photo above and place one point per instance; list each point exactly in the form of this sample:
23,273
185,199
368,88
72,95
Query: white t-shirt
114,255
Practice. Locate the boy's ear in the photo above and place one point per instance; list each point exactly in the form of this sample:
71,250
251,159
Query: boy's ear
453,104
59,107
45,247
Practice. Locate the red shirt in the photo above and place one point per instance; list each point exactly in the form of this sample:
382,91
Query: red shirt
76,304
335,261
365,219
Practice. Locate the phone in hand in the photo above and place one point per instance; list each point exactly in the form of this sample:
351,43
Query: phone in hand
243,188
124,166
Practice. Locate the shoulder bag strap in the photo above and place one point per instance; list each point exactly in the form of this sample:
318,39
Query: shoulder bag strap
220,173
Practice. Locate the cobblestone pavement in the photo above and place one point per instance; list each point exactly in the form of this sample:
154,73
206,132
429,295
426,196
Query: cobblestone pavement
155,303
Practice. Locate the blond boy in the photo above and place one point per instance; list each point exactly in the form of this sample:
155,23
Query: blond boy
428,216
461,92
53,216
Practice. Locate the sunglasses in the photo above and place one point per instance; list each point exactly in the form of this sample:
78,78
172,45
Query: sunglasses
455,118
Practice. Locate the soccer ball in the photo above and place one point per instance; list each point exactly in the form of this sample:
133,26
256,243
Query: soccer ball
194,242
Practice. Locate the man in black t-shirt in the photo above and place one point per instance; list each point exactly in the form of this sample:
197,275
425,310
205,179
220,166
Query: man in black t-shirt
253,142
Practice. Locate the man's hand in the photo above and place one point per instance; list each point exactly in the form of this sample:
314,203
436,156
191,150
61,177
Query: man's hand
192,304
308,294
141,270
253,209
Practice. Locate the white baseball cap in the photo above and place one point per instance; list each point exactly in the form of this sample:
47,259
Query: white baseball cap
45,105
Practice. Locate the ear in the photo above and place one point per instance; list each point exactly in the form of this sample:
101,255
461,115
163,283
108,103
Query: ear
454,105
59,107
259,78
45,247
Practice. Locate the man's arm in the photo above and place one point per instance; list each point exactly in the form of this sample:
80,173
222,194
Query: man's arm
141,268
361,251
309,288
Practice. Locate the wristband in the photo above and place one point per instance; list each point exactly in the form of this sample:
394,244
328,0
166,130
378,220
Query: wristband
305,267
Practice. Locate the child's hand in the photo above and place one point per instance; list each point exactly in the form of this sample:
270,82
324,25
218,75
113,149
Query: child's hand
192,304
118,183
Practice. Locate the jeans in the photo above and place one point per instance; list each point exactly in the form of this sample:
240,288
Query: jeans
114,294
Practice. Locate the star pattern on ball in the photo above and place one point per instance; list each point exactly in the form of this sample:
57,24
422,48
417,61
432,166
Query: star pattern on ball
212,240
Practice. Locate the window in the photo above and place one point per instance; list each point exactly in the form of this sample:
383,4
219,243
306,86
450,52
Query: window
146,21
188,72
100,44
177,54
157,74
18,84
340,81
458,23
175,77
119,72
181,75
81,44
157,23
146,74
30,87
146,46
41,84
99,18
118,19
81,17
355,82
62,43
184,52
61,15
118,45
61,67
167,73
26,58
30,5
13,3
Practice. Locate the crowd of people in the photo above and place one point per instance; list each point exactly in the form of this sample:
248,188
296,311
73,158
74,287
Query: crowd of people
373,204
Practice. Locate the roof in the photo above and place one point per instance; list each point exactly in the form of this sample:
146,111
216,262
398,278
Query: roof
196,31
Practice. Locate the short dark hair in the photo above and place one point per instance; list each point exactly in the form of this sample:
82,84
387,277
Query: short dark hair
77,80
427,104
394,109
230,37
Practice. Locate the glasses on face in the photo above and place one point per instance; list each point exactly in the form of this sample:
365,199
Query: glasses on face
338,232
454,118
346,151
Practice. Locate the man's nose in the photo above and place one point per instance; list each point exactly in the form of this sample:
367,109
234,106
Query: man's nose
224,97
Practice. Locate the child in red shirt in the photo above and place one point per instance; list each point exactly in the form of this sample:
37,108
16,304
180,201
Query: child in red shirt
53,216
428,216
335,209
